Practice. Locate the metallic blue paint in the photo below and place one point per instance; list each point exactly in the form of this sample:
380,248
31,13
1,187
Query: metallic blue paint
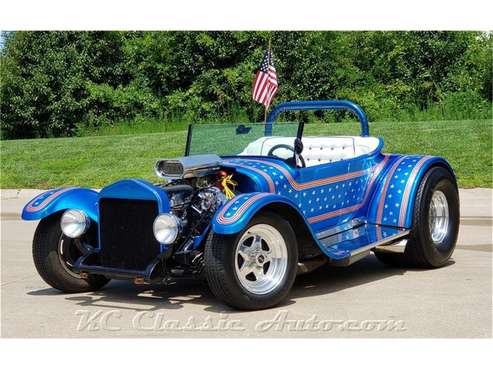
351,242
318,105
414,185
49,203
393,201
85,199
233,208
319,193
137,189
376,188
258,180
340,246
330,194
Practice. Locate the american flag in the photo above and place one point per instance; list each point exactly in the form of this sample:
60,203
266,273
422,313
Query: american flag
265,83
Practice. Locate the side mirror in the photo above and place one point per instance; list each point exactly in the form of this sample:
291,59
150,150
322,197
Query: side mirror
242,129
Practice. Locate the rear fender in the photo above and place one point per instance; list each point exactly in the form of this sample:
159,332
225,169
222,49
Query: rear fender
56,200
237,213
393,200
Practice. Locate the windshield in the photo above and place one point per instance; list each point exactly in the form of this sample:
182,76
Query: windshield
236,138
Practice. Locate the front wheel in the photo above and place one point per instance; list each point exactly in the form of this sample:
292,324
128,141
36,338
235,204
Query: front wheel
54,255
255,268
435,224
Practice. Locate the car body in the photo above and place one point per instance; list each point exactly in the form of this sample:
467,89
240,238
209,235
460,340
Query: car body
323,200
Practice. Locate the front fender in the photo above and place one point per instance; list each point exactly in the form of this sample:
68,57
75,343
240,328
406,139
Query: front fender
393,201
56,200
237,213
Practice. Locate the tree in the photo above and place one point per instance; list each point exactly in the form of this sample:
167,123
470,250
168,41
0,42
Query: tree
51,82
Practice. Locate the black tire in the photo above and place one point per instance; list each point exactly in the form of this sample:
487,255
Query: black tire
421,251
220,266
50,265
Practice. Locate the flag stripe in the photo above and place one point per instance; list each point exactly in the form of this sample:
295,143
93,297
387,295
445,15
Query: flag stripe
261,89
265,84
260,85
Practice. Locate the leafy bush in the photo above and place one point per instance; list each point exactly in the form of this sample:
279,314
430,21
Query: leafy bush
106,104
465,105
44,79
57,83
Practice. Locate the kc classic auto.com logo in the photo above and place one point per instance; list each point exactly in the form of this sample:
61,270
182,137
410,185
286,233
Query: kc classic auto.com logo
114,320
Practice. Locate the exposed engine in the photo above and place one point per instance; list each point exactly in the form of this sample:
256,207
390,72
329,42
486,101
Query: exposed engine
195,202
196,188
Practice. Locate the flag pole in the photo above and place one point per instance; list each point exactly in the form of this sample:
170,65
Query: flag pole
267,106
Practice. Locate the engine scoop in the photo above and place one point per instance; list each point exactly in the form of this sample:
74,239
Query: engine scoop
188,167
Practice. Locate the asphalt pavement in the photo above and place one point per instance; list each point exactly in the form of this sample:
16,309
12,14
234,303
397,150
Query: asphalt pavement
367,299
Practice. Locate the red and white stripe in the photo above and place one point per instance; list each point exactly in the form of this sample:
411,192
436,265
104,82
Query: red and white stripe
225,220
311,184
407,191
265,86
31,207
388,180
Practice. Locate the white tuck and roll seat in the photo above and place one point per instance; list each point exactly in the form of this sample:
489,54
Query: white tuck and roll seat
316,149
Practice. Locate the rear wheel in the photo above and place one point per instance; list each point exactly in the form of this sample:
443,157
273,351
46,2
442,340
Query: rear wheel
54,255
255,268
435,224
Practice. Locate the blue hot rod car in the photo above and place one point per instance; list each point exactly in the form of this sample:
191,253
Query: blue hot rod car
269,204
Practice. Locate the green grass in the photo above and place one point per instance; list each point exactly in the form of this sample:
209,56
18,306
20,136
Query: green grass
137,126
95,161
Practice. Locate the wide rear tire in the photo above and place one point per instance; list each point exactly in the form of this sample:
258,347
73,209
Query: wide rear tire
256,268
53,253
436,218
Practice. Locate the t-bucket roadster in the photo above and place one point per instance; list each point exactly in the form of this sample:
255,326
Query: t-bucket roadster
283,204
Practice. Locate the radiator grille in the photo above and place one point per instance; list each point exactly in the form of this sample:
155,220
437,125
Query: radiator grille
127,240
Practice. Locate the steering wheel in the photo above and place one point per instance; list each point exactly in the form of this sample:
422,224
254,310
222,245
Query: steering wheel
287,160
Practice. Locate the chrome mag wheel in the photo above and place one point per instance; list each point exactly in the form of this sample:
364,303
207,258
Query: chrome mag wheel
261,259
438,217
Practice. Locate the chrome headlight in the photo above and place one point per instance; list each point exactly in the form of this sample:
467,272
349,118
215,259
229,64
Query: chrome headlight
166,228
74,223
